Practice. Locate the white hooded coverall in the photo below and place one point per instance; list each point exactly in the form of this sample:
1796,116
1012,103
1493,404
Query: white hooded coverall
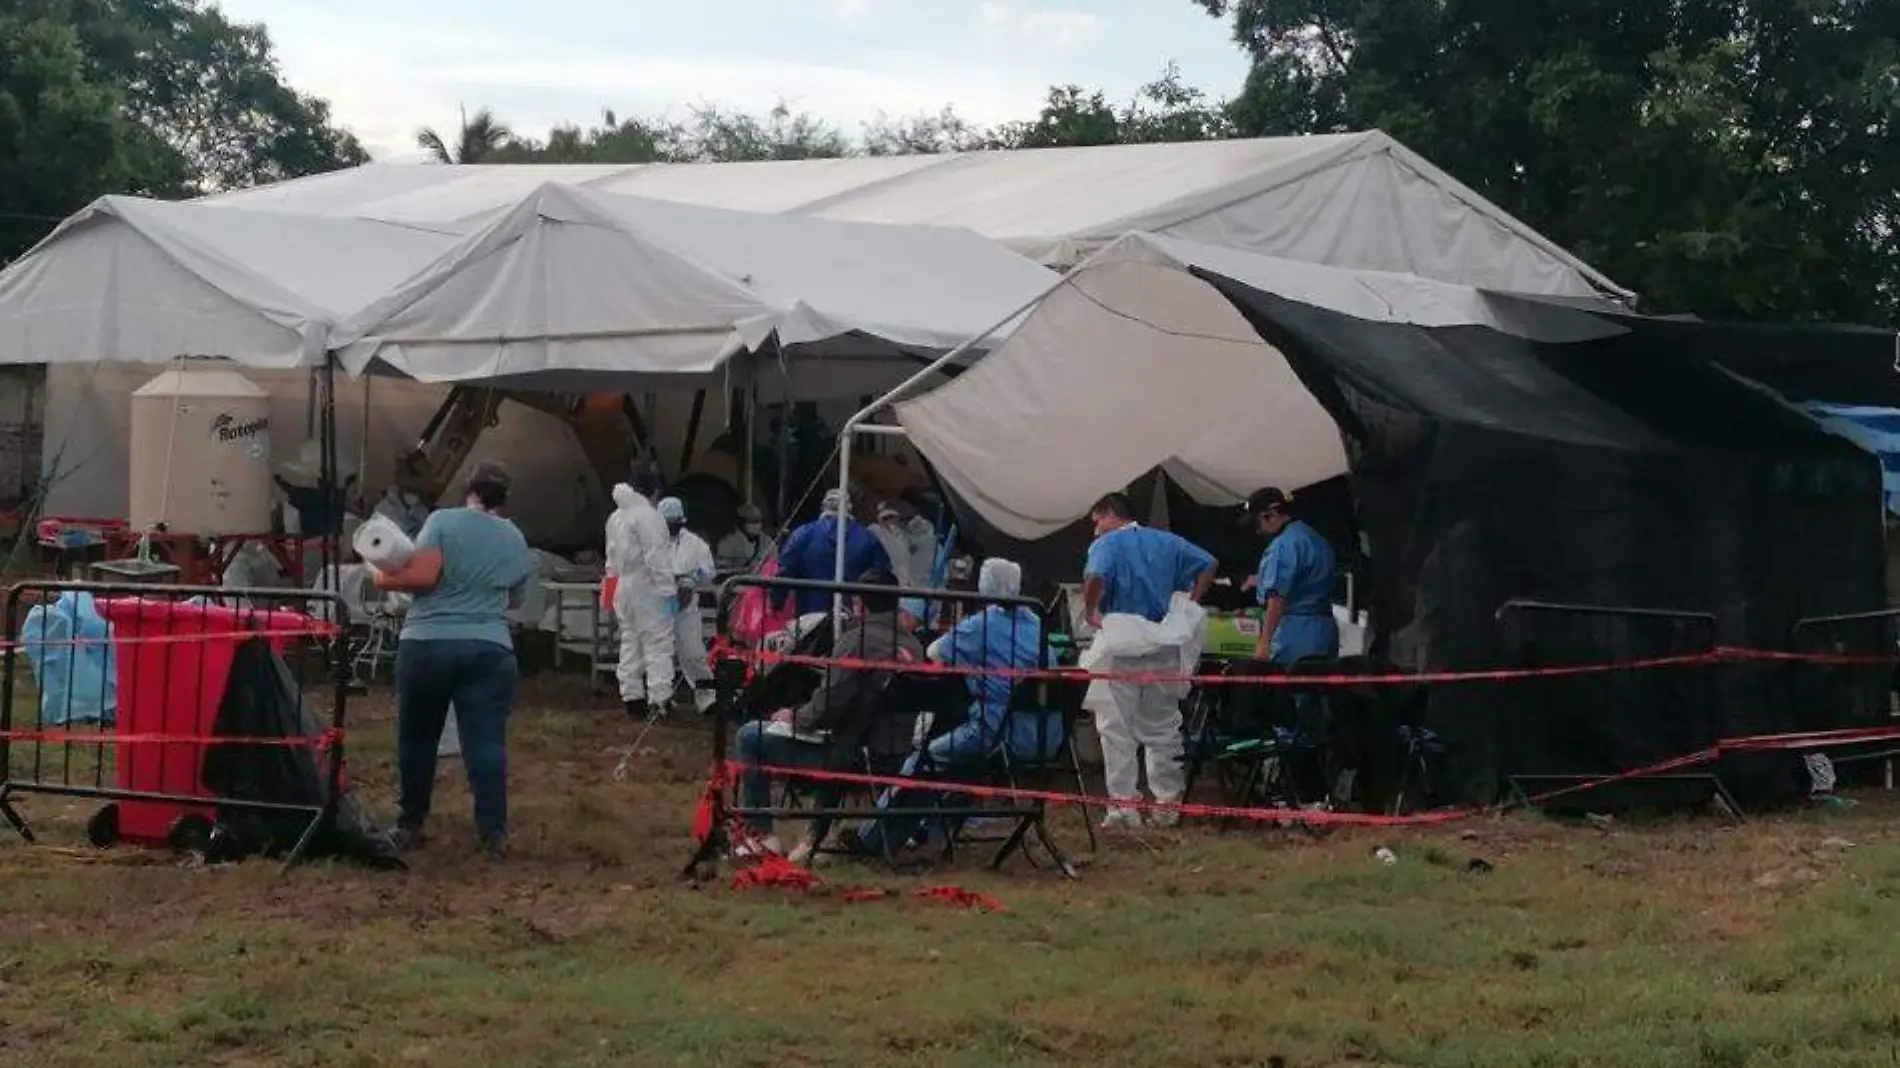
640,556
1144,718
692,567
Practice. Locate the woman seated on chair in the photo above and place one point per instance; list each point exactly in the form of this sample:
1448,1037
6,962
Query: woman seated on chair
827,730
1002,641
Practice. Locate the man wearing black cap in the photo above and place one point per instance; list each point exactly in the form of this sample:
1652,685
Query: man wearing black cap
1295,584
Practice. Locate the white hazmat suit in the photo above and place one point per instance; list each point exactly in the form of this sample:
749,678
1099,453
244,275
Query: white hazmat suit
1143,718
640,558
692,568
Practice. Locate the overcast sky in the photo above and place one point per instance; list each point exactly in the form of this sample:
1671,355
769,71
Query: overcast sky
389,67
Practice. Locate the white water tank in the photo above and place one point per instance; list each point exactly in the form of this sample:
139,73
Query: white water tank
200,463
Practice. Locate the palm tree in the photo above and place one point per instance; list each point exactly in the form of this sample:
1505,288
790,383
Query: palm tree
481,138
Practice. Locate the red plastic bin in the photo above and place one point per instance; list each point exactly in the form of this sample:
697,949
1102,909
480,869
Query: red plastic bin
174,664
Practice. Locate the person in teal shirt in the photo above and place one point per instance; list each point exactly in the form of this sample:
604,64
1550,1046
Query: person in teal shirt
1298,572
470,565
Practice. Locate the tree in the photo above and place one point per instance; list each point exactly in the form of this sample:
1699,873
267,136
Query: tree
479,139
205,92
1166,109
62,138
1170,110
619,140
716,135
1071,117
1731,157
922,135
615,140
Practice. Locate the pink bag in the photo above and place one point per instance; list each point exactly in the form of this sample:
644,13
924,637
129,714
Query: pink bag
752,614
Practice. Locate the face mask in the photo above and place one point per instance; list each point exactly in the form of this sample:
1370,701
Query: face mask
675,528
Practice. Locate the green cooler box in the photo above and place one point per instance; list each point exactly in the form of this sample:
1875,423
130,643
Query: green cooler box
1232,634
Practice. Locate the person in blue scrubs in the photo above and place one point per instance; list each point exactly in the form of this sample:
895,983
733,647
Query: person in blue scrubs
1005,638
1295,583
1137,570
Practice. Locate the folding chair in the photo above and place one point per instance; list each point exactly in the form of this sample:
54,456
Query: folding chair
1423,751
1292,750
1058,769
1204,725
377,645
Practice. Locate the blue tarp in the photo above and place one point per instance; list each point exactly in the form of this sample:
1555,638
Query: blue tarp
1875,429
78,679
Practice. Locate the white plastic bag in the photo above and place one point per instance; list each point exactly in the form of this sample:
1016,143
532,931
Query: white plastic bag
382,544
1123,634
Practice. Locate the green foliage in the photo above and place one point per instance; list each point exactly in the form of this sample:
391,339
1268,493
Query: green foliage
480,139
159,97
923,135
1731,157
207,90
1166,109
712,135
62,139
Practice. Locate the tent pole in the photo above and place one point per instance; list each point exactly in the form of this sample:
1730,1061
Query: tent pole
692,430
784,436
751,419
362,457
860,423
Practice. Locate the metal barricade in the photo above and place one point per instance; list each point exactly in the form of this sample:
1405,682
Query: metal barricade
822,728
197,713
1869,640
1678,704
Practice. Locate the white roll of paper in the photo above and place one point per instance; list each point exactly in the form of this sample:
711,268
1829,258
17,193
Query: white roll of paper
382,544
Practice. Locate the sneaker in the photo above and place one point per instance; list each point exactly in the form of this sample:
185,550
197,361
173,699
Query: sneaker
754,848
803,855
495,849
1121,819
1164,819
703,700
406,839
636,707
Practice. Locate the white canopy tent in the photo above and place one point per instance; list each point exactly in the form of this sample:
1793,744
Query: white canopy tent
128,280
608,281
1352,200
571,289
1137,362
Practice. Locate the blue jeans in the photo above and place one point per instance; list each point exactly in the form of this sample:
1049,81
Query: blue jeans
966,744
479,678
753,749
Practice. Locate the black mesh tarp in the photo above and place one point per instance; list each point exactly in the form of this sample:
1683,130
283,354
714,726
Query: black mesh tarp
1629,471
263,699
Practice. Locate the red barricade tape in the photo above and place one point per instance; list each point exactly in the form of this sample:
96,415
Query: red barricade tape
323,630
1717,655
1750,743
326,740
1057,797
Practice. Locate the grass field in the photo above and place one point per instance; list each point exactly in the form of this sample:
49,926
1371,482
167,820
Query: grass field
1692,943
